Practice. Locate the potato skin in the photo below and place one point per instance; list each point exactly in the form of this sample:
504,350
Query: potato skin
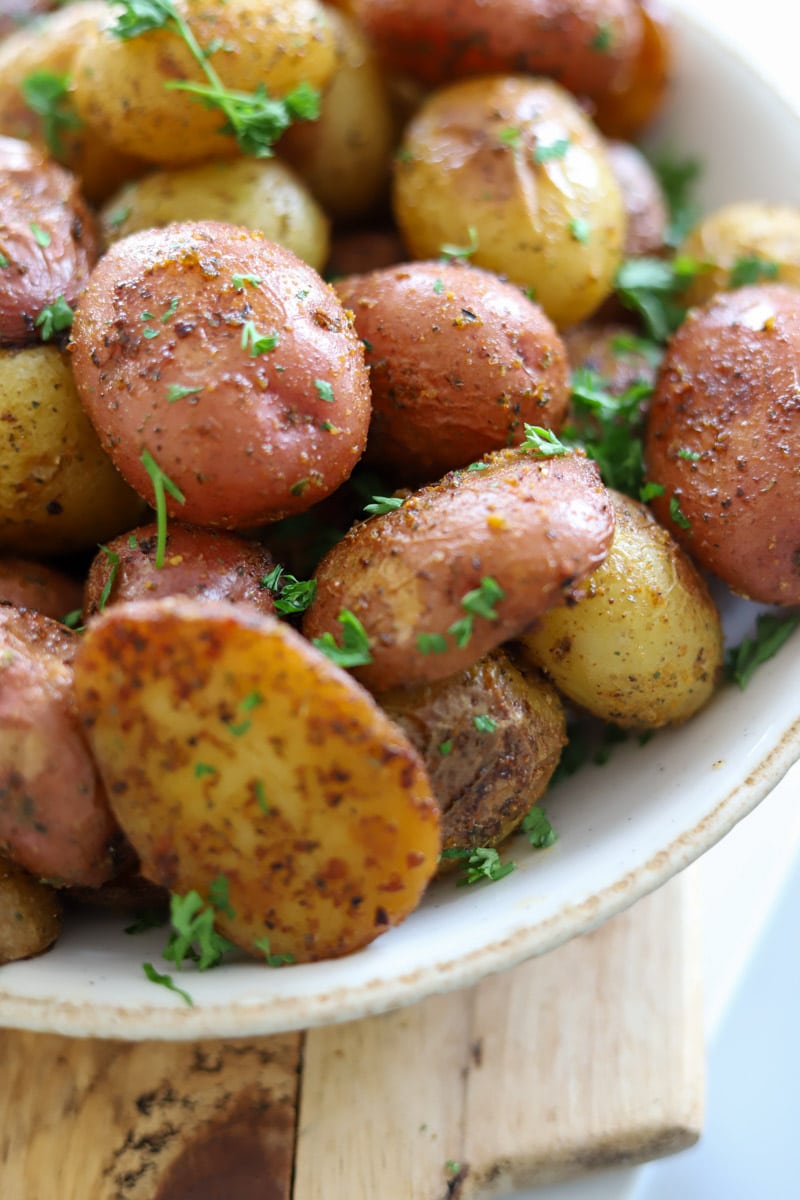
27,584
357,252
641,645
458,360
30,914
343,836
535,526
554,223
198,563
487,781
749,229
261,437
633,102
37,194
609,351
59,490
645,207
54,817
260,194
722,439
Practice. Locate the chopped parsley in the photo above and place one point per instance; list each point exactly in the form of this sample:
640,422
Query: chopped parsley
580,230
219,898
177,391
193,936
290,595
54,318
773,630
383,504
113,562
510,136
649,491
537,828
46,93
324,390
688,455
432,643
445,748
40,236
653,288
151,918
272,960
259,343
261,795
677,514
166,981
677,177
202,769
484,723
451,250
72,620
161,485
354,651
544,442
603,40
239,281
752,269
478,603
438,287
548,151
479,864
609,428
172,308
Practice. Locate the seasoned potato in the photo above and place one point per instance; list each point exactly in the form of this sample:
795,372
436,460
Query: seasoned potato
642,645
120,84
588,45
632,103
510,170
754,240
197,562
58,489
49,46
645,207
27,584
484,776
54,817
49,244
364,250
530,527
261,405
233,748
126,893
722,440
257,193
30,914
345,155
614,353
459,362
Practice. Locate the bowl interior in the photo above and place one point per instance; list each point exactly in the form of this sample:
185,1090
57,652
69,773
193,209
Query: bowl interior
623,828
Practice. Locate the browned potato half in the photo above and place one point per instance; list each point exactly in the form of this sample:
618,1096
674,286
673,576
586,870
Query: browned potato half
260,194
227,361
490,738
233,748
59,491
201,563
27,584
459,362
645,207
748,242
722,440
47,239
54,817
345,155
30,914
120,85
520,533
642,645
509,171
632,103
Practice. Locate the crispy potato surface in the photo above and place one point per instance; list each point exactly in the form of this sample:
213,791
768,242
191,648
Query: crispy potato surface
233,748
30,914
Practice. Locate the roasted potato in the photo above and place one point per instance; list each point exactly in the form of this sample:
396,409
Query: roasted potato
743,243
355,253
27,584
242,377
54,817
30,914
613,352
463,565
59,491
459,361
645,207
722,437
490,738
632,102
260,194
509,171
641,644
233,748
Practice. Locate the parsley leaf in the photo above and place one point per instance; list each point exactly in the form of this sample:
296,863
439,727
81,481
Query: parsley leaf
54,318
47,94
113,561
273,960
354,652
239,281
324,390
547,151
482,600
537,828
431,643
193,934
677,514
450,250
40,236
677,177
177,391
773,629
218,896
166,981
480,863
259,343
383,504
608,427
484,723
161,485
544,442
151,918
291,595
752,269
652,287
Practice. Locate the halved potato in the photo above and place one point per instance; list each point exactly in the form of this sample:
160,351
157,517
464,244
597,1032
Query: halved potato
233,748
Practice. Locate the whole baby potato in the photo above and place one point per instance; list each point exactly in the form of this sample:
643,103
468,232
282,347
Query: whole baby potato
354,252
613,352
54,816
59,491
645,207
748,242
509,171
642,644
27,584
122,84
211,355
201,563
459,361
490,738
633,101
722,438
463,565
30,914
262,194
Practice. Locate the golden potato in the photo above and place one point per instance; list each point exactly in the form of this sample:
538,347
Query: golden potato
742,243
58,489
509,170
30,914
260,194
490,738
120,84
234,749
642,647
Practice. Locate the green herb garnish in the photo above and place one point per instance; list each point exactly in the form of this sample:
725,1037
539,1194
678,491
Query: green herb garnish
259,343
773,630
113,562
46,93
354,652
291,595
193,934
537,828
677,178
752,269
653,287
383,504
451,250
166,981
54,318
177,391
481,863
161,485
239,281
432,643
544,442
272,960
548,151
677,514
484,723
40,236
324,390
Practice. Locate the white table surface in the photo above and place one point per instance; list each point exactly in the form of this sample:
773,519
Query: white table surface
751,886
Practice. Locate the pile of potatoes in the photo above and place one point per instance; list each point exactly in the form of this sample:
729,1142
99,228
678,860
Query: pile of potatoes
188,409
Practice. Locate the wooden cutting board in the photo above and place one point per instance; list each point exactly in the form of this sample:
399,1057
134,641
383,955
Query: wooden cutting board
590,1056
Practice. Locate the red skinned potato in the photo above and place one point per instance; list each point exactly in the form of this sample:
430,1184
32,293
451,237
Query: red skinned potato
589,46
47,237
200,563
230,363
459,362
722,439
533,527
27,584
645,206
633,102
54,817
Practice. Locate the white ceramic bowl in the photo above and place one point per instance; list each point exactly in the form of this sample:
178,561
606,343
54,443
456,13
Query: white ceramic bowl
623,829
